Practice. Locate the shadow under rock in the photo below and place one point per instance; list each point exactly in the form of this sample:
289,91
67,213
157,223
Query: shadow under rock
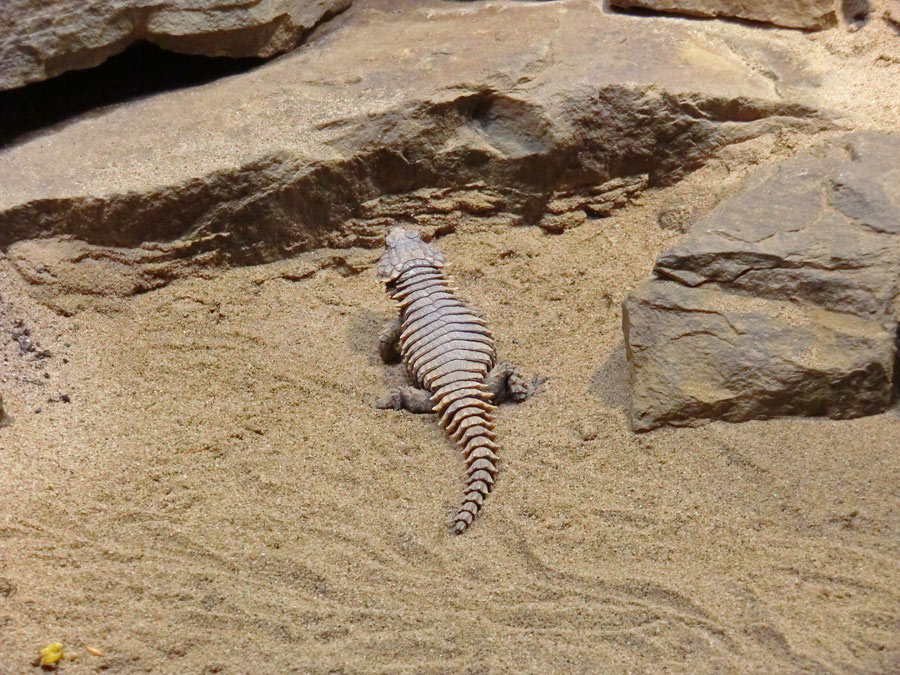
611,383
141,70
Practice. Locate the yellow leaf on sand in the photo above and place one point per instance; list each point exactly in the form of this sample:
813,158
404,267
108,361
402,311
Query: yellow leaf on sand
51,653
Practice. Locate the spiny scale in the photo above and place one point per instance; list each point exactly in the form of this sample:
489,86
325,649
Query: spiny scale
448,351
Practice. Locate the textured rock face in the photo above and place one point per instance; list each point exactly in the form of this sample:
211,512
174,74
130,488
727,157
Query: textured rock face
329,144
808,14
700,355
43,38
823,228
783,300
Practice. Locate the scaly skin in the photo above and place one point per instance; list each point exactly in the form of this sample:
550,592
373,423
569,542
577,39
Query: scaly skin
449,355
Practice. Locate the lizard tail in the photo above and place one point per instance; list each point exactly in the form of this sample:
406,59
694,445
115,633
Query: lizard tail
466,417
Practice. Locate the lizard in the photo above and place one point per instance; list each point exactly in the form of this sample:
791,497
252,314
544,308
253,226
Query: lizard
449,356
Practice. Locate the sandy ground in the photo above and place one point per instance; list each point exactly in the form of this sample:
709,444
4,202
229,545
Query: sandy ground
219,495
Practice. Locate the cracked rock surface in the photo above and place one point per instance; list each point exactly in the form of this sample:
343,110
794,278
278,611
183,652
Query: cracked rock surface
44,38
782,300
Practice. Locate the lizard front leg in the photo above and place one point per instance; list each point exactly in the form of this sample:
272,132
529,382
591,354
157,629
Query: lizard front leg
507,384
404,398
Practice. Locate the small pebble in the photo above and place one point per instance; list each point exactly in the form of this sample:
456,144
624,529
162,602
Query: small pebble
586,431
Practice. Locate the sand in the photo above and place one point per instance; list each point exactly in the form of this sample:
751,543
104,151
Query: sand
219,495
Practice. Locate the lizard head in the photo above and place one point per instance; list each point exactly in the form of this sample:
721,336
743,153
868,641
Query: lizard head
405,249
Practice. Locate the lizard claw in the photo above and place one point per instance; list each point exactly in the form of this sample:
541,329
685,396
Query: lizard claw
520,388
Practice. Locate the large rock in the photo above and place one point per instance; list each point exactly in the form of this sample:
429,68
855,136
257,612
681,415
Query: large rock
329,144
783,300
698,355
43,38
808,14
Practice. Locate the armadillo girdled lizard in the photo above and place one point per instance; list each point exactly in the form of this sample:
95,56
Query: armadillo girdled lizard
449,356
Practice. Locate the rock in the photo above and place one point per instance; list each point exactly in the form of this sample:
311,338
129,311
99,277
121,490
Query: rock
822,228
4,418
321,146
782,300
41,39
675,216
807,14
698,355
567,209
